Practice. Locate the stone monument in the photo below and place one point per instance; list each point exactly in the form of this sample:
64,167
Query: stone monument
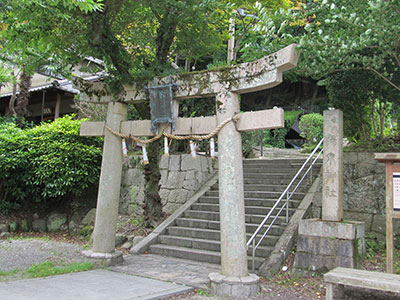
330,242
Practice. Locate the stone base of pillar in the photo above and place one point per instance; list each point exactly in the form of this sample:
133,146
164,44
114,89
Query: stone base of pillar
106,259
234,286
325,245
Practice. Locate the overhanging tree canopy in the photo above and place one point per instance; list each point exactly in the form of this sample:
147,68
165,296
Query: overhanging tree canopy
134,38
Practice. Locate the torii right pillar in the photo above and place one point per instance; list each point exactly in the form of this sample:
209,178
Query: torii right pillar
330,242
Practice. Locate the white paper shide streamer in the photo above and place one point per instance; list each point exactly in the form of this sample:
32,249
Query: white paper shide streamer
124,148
212,148
145,158
166,147
193,149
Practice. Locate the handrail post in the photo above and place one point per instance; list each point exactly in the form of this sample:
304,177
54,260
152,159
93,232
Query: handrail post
254,254
287,207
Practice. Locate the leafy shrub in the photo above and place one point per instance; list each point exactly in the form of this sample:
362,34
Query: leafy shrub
46,164
276,137
312,129
249,139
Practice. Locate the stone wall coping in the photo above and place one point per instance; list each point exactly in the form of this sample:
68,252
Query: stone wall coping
384,157
347,230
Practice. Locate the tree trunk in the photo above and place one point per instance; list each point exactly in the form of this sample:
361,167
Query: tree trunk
22,100
372,111
364,136
165,36
152,204
108,46
152,200
382,115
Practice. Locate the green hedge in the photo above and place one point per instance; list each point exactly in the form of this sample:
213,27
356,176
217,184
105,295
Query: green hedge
46,164
312,129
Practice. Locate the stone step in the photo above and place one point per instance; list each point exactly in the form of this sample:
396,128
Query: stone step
277,169
272,180
259,210
214,225
293,164
286,167
268,188
267,176
214,216
288,163
268,173
257,195
196,234
277,161
209,245
248,202
195,254
209,234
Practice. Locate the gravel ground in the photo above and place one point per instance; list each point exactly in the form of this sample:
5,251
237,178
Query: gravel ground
20,254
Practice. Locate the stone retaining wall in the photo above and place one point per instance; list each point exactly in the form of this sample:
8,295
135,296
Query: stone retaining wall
181,176
363,192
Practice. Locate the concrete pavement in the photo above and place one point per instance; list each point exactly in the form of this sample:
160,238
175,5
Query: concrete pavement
180,271
90,285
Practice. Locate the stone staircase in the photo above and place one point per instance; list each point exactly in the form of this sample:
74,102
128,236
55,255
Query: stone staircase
195,235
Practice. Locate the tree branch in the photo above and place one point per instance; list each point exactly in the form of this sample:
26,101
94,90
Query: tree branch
383,77
154,11
239,39
116,9
393,53
369,69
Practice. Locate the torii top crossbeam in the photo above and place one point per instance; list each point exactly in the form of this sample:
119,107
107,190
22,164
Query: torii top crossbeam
258,75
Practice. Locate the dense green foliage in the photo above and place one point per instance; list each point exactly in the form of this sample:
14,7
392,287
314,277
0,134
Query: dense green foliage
367,103
29,30
46,165
312,129
351,35
347,45
350,48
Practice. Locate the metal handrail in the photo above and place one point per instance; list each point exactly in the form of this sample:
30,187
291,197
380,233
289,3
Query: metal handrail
288,194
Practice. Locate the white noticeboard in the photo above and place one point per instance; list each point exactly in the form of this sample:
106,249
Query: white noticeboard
396,191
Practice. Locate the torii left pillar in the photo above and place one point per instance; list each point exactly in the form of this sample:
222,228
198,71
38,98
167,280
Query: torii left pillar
109,189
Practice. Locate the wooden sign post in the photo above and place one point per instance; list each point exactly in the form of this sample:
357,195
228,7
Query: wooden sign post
391,161
225,85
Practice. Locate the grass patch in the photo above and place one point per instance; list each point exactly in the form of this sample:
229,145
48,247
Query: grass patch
373,247
28,238
375,255
8,273
48,268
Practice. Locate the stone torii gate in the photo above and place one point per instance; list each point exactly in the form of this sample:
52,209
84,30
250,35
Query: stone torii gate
225,85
